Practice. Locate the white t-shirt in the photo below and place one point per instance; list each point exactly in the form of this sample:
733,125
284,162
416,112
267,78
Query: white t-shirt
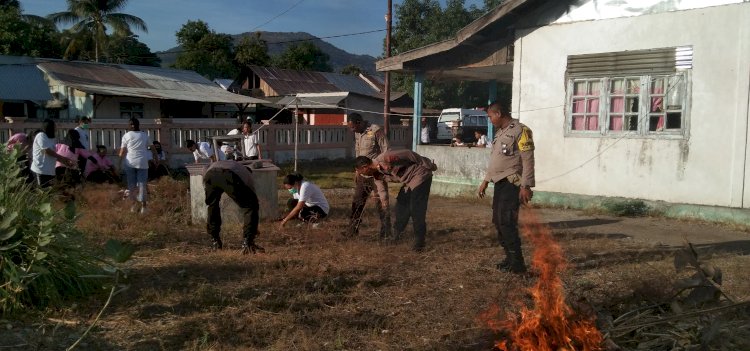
250,141
425,137
204,151
136,144
41,163
312,196
85,137
482,141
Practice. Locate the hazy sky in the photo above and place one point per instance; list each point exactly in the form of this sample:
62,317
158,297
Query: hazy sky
321,18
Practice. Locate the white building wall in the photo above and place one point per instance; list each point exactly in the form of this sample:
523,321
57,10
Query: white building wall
708,166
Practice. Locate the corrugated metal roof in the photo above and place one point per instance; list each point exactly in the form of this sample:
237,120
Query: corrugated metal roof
23,82
289,82
223,83
141,81
85,73
323,100
354,84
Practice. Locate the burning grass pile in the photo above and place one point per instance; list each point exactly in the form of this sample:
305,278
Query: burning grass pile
313,289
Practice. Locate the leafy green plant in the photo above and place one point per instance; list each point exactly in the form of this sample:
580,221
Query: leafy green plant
626,208
43,258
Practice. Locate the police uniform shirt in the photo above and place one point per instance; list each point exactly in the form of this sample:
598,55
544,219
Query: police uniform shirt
235,167
512,155
407,167
371,142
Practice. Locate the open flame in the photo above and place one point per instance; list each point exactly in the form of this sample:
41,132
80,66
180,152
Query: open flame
549,324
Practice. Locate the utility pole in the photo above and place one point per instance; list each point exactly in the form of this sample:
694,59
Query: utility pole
387,92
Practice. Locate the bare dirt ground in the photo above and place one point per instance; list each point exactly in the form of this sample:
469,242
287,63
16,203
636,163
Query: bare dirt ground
315,290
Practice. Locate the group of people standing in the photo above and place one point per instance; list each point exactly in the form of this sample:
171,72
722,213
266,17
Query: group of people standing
65,165
510,169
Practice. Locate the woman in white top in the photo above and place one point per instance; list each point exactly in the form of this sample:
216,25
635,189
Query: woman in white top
310,205
134,148
44,155
481,139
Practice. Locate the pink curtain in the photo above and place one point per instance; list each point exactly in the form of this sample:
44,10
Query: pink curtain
615,122
657,105
578,123
593,122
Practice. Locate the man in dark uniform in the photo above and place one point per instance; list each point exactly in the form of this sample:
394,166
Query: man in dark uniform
511,169
415,173
235,180
369,141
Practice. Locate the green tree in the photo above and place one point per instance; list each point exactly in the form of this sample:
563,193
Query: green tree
491,4
352,69
304,57
252,51
205,51
26,35
91,18
424,22
128,50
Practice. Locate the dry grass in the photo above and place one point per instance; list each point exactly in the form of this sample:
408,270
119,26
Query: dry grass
314,290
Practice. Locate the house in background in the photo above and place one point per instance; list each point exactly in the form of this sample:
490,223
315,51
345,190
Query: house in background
24,92
636,99
320,98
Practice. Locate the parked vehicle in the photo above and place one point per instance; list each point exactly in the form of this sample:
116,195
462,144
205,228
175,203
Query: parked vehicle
464,121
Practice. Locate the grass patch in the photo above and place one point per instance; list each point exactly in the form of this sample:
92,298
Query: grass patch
326,174
626,208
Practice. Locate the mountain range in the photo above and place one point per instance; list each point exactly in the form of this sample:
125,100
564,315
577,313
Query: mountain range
279,41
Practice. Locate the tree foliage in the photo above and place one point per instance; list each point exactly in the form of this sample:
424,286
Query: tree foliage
26,35
92,19
252,51
304,57
128,50
205,51
352,70
423,22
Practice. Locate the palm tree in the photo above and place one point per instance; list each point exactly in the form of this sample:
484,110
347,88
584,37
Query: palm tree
93,17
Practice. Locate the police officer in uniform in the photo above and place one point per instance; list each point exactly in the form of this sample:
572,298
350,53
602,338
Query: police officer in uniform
511,169
369,141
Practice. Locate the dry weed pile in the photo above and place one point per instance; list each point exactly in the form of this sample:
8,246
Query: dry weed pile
315,290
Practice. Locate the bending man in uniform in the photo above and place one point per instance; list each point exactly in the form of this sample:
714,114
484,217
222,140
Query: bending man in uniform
415,173
235,180
369,141
511,169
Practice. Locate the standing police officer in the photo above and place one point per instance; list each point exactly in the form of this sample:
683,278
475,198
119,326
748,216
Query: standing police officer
369,141
511,169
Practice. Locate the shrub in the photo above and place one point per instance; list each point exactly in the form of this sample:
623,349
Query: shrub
42,255
626,208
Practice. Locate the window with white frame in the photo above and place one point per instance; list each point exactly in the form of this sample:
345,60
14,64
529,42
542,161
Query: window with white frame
608,95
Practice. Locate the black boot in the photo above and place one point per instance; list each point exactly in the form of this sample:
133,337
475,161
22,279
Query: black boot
249,246
504,265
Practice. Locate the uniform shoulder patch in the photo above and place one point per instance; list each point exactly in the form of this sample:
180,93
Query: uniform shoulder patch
526,141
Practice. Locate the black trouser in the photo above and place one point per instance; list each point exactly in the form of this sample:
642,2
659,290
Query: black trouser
219,181
43,180
505,206
308,213
362,188
413,204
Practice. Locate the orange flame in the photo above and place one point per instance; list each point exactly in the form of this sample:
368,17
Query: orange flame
549,324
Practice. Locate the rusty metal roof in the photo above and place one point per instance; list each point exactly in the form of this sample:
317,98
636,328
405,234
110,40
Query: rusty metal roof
140,81
23,83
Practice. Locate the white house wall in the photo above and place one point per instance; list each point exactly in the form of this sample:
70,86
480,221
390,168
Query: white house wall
709,166
606,9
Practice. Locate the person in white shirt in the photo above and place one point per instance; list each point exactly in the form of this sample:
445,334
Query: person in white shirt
425,135
135,154
44,155
83,131
311,204
250,140
202,151
481,140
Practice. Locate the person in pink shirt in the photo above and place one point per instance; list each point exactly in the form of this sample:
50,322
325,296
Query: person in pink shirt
69,176
103,170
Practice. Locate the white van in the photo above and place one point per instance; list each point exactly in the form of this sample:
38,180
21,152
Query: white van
469,121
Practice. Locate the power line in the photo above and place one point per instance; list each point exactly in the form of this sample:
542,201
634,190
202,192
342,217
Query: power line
279,15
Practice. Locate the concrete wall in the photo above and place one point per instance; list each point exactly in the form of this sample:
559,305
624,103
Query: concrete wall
460,169
708,166
109,106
